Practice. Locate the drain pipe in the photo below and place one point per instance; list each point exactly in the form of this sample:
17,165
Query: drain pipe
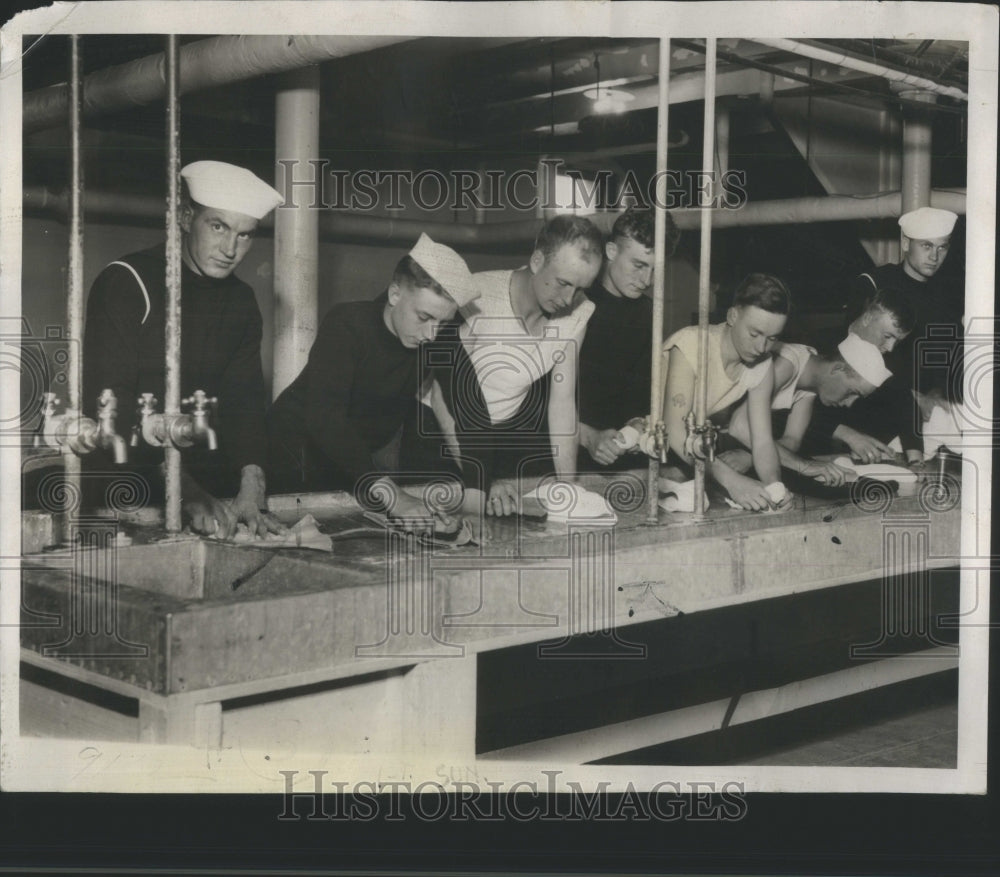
172,387
704,268
296,229
659,279
206,64
851,63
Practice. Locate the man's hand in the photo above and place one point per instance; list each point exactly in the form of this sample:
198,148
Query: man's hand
503,499
604,445
864,447
749,494
209,516
250,505
826,473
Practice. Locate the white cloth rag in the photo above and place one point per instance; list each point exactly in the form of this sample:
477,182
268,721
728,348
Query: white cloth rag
304,533
677,496
565,502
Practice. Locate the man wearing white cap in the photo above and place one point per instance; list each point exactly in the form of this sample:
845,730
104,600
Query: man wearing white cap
936,302
801,376
338,420
124,345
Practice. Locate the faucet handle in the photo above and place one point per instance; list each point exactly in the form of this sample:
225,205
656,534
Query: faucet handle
107,400
199,401
147,403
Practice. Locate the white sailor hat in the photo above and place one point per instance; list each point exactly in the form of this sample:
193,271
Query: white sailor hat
927,223
865,358
228,187
447,268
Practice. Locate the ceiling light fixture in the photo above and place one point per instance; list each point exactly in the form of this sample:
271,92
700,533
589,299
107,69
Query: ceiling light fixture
607,100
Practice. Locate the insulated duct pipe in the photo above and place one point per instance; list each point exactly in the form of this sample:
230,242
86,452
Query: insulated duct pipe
851,63
365,229
659,278
204,64
296,229
704,270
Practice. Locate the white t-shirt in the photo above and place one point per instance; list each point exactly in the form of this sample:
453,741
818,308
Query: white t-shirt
723,391
785,396
506,358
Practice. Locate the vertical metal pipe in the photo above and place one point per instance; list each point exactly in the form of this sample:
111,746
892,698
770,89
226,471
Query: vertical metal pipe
172,389
74,304
916,175
659,270
704,267
296,229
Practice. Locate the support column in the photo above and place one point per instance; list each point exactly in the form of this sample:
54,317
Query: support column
296,229
916,176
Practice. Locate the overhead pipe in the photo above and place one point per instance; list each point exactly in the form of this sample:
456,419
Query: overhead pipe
204,64
172,387
296,229
841,60
659,279
704,270
366,229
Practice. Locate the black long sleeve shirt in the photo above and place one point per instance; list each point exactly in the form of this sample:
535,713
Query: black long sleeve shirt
221,327
615,360
355,391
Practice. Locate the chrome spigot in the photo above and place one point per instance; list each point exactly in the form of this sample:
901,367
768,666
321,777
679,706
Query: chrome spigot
699,443
107,436
200,431
176,430
143,428
660,440
68,432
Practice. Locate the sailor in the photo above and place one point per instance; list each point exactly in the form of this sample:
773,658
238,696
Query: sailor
739,365
614,361
936,303
801,375
124,345
508,394
867,430
336,426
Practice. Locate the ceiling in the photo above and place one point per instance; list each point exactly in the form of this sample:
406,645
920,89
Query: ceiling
436,100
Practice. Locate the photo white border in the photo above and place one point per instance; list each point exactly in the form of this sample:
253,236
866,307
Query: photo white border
62,765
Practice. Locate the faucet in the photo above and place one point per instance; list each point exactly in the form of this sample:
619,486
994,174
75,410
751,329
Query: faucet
68,432
175,430
106,435
660,440
699,442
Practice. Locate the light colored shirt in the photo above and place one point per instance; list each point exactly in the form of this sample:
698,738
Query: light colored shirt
507,359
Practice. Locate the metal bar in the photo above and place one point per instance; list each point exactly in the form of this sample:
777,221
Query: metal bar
704,268
74,304
296,229
172,389
659,270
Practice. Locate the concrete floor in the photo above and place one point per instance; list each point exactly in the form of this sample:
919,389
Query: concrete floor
913,724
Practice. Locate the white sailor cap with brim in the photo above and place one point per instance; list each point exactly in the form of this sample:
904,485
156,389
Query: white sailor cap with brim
447,268
865,358
229,187
927,223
